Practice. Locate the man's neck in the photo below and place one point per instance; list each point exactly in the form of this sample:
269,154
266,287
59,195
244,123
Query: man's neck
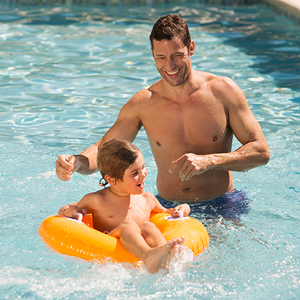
181,91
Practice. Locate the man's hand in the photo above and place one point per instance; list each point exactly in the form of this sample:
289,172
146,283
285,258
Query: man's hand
66,165
190,165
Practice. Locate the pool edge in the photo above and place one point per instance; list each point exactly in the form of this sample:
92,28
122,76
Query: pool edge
290,8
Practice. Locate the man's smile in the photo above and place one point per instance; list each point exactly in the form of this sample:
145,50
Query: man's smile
172,73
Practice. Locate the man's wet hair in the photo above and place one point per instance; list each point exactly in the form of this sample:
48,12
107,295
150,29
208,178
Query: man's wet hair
168,27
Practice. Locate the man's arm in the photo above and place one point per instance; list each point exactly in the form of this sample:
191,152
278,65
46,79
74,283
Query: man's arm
126,127
85,163
254,151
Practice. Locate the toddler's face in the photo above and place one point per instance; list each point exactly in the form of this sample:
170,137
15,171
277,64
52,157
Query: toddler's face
134,177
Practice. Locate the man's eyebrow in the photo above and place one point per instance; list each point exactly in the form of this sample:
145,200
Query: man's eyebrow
175,53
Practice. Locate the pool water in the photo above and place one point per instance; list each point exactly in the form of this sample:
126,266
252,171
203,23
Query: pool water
65,73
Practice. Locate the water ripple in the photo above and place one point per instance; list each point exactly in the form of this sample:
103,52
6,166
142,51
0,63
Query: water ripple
65,73
96,60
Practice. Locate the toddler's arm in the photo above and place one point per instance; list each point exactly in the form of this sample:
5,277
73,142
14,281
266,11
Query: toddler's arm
185,208
71,211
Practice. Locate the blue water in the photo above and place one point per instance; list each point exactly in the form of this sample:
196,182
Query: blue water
65,73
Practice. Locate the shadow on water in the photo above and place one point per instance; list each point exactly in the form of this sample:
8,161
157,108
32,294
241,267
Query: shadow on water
272,41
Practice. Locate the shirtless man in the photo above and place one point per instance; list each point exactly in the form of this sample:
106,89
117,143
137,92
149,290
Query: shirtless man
190,118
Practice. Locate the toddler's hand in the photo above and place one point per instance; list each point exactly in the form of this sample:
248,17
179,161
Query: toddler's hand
184,208
71,211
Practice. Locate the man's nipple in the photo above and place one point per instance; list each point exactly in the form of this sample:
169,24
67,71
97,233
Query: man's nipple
158,143
215,138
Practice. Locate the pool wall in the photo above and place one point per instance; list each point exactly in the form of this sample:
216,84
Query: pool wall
289,8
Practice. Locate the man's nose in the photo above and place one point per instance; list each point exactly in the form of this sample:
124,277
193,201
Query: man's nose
170,64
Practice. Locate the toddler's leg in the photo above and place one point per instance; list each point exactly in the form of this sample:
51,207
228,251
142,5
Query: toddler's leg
152,235
132,241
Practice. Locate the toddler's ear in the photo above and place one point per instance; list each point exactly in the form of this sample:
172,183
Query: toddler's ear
110,180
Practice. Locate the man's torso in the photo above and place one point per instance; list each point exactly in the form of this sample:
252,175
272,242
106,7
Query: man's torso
197,123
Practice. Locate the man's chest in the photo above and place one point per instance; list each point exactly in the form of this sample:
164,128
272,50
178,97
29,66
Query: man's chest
192,125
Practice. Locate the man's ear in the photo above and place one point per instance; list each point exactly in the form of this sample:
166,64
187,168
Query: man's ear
192,48
110,180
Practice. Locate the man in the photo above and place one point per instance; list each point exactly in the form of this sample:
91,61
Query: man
190,118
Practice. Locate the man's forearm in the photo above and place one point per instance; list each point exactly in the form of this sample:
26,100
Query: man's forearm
87,161
247,157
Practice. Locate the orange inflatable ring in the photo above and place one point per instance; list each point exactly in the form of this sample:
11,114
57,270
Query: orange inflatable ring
79,239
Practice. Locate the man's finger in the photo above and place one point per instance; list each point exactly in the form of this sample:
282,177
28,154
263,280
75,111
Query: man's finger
176,163
67,162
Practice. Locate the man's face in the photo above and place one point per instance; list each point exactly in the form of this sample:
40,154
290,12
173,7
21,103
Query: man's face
173,60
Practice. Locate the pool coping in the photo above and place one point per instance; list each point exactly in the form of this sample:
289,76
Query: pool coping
290,8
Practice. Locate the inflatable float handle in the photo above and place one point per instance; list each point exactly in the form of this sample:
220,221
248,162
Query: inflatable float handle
180,214
170,218
79,219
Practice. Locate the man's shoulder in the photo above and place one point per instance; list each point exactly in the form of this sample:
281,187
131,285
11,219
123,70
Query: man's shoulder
221,85
140,97
212,79
221,82
226,90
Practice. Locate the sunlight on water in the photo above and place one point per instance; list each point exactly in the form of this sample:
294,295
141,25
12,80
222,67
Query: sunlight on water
66,72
